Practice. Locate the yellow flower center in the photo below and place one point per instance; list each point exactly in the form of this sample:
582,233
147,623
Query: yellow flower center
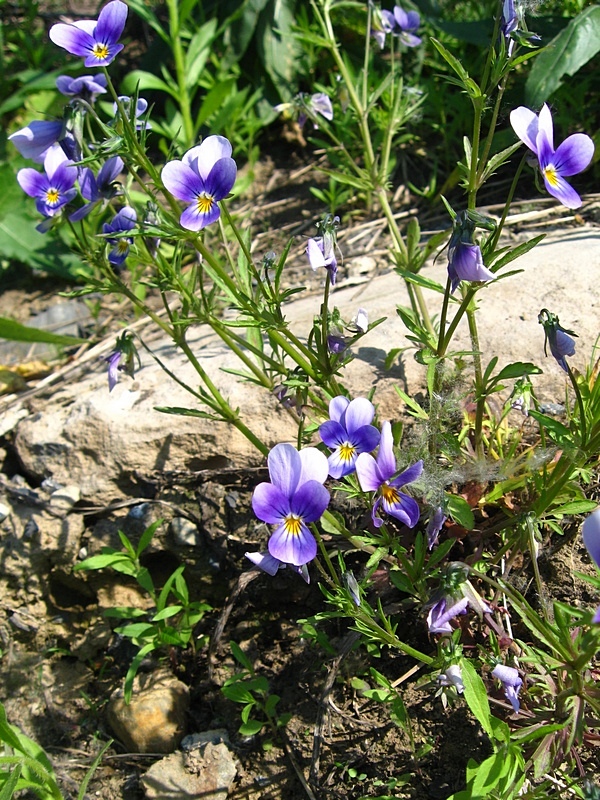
347,451
52,196
122,246
390,494
100,51
551,176
293,524
204,203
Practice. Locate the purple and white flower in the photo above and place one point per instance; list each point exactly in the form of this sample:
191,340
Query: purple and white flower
37,138
123,221
53,188
361,320
407,23
591,539
95,40
321,253
294,497
376,475
383,23
434,526
141,107
570,158
121,359
86,87
452,677
348,432
93,189
444,610
558,338
204,176
465,263
271,565
511,683
320,103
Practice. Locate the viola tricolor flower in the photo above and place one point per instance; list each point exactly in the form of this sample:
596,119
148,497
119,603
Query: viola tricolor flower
321,249
204,176
349,432
141,107
455,597
570,158
122,359
53,188
376,475
407,23
434,526
510,19
511,683
37,138
123,221
452,677
558,338
382,23
591,539
442,611
86,87
295,497
465,262
271,565
95,40
319,103
361,320
95,189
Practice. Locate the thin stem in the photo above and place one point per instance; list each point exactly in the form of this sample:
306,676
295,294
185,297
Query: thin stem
479,388
579,404
180,71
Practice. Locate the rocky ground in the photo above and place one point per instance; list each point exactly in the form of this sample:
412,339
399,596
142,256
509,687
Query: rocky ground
80,464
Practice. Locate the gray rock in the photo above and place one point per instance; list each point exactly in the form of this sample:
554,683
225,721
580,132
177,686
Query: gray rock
4,511
184,532
155,719
207,772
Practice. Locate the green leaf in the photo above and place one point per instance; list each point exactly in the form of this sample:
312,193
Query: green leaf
460,511
146,537
577,44
166,613
138,78
559,433
240,656
420,280
476,696
102,561
9,329
251,728
576,507
517,252
198,52
515,370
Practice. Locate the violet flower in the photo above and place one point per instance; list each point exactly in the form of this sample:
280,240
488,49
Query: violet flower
511,683
86,87
570,158
465,262
123,221
96,41
113,360
382,23
361,320
204,176
95,189
295,497
37,138
320,103
271,565
442,611
452,677
407,22
141,107
320,256
558,338
336,344
53,188
122,359
434,526
349,432
376,475
510,18
591,539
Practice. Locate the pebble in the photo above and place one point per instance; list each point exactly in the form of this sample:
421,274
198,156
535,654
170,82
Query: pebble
4,512
184,532
155,719
62,500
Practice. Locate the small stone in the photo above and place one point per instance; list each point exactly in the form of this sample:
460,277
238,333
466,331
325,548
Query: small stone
155,719
184,532
63,499
4,512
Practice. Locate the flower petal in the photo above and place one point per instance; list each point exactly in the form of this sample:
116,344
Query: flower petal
409,475
337,407
195,220
221,178
270,504
545,126
313,465
182,181
360,412
293,548
558,187
525,124
310,501
314,251
332,433
591,536
32,182
266,562
204,156
406,509
285,468
574,154
34,140
386,461
368,473
111,22
72,39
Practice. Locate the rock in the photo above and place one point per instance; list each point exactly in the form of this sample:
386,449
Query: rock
4,512
155,719
206,771
62,500
184,532
82,425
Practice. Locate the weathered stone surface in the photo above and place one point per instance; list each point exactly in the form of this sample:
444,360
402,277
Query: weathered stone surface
81,426
207,771
155,719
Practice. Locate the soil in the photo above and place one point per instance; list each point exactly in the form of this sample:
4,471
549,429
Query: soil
61,660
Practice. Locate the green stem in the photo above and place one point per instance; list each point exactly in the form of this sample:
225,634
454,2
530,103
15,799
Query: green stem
180,71
583,422
479,388
505,211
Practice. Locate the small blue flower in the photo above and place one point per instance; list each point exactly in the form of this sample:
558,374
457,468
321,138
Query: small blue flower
94,189
53,188
37,138
558,338
348,432
141,107
204,176
95,40
123,221
86,87
272,565
511,682
376,475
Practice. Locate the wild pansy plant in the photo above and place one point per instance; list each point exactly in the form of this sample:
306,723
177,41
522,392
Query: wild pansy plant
97,41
